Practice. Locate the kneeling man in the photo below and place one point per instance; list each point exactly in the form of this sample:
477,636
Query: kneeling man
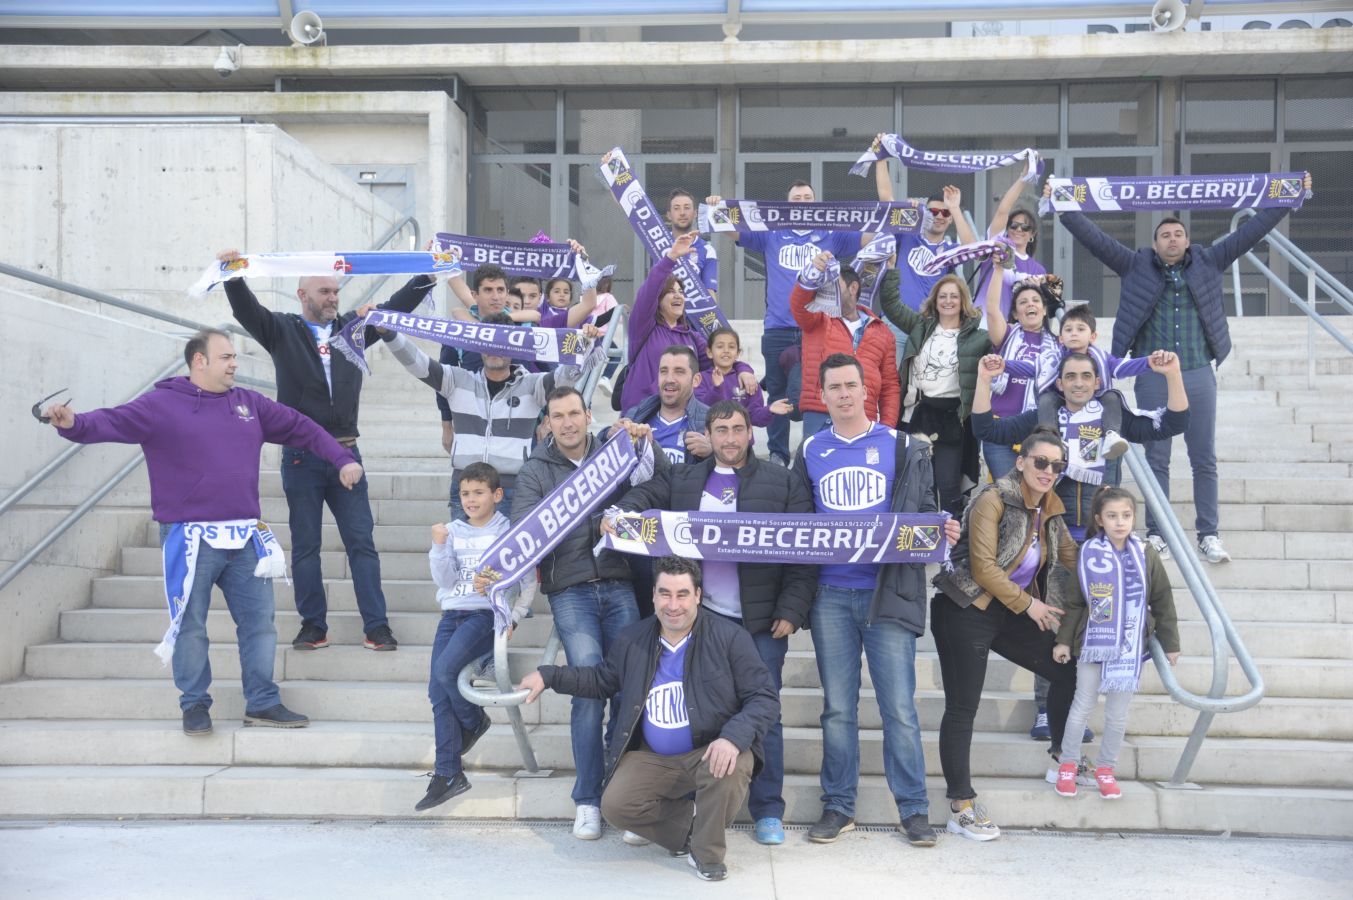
668,744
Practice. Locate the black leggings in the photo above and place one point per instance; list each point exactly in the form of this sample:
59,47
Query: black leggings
963,638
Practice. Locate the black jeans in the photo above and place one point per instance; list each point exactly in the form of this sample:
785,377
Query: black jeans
963,638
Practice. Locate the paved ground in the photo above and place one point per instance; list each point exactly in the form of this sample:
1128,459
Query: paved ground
227,859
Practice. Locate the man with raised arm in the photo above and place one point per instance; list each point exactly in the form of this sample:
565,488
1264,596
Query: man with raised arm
1172,300
327,388
202,436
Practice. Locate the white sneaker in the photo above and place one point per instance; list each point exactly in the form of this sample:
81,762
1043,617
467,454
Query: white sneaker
972,822
1114,445
1158,542
1212,549
587,823
635,840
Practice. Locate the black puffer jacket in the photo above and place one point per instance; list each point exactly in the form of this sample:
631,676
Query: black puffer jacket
571,562
300,371
768,591
727,686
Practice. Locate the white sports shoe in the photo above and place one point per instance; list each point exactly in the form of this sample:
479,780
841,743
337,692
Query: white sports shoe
587,823
1158,542
635,840
1212,549
1114,445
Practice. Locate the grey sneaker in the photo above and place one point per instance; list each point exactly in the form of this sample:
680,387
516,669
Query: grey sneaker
708,871
1212,550
972,822
918,831
830,827
1158,543
276,717
196,720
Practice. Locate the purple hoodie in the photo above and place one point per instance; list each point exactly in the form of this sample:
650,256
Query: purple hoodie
709,394
202,449
648,337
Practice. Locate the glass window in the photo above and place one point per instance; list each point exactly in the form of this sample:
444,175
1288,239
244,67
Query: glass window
799,119
1207,226
1318,109
1229,111
596,221
510,200
1093,282
641,121
514,122
990,117
1112,114
1320,227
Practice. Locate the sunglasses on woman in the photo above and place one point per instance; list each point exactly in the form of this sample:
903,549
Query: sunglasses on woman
1020,226
1041,463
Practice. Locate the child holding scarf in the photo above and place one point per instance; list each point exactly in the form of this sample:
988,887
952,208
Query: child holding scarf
1121,596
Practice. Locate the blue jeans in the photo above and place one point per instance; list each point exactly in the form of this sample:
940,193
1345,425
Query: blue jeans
310,482
504,506
1200,437
813,422
841,629
766,795
589,616
775,341
1000,458
463,635
249,599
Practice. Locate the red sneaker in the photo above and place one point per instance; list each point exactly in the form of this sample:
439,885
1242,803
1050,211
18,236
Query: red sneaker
1066,779
1108,785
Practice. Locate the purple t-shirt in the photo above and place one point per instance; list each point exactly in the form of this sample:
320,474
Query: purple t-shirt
553,316
1011,401
667,724
786,253
722,592
913,253
1028,566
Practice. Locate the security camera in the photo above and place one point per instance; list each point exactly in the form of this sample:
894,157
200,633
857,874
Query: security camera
226,63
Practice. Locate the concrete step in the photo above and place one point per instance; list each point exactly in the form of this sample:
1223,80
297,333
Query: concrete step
1001,711
408,745
1275,639
388,538
198,791
414,596
1282,677
394,564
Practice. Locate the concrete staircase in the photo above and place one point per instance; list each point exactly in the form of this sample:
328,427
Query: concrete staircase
93,729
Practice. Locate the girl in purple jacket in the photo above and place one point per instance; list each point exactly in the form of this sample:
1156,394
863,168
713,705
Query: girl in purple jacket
729,378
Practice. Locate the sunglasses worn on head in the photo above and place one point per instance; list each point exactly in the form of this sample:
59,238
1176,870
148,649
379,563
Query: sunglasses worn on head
1019,226
939,213
1042,462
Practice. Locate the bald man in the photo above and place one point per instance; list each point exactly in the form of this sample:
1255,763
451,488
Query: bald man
325,387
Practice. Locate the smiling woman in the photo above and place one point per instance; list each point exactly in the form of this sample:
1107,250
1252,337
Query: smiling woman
1015,549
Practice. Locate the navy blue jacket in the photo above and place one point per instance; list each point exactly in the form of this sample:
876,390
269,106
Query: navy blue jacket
1144,282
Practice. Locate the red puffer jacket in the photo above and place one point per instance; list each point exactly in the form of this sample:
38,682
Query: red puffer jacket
824,335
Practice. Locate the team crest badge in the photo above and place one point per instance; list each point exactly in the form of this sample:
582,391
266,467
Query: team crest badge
871,456
242,412
728,496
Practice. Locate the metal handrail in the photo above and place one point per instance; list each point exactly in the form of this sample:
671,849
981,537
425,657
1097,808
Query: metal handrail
384,239
610,341
1220,628
505,697
67,287
1317,276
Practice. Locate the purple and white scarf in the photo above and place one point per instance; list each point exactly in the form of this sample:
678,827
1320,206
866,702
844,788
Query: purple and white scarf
570,505
536,258
1181,192
892,145
954,257
746,216
297,265
791,538
702,308
1045,364
1115,599
826,285
565,346
871,264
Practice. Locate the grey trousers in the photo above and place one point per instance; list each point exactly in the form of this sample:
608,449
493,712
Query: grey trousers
1115,718
649,795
